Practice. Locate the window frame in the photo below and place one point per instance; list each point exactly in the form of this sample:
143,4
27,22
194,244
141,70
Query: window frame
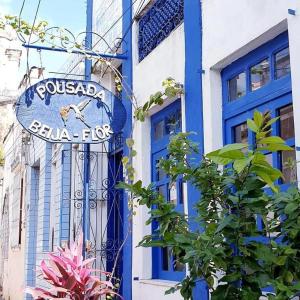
273,96
286,45
275,87
159,148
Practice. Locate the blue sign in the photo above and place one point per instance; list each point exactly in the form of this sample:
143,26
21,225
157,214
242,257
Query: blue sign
70,111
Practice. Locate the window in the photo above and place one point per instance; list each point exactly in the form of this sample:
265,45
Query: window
157,24
159,130
165,123
237,86
257,73
266,69
241,133
260,75
287,132
282,63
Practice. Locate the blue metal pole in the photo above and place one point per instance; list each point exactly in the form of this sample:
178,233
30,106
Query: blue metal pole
127,73
87,73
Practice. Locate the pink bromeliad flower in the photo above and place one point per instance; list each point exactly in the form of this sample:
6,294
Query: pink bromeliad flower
70,277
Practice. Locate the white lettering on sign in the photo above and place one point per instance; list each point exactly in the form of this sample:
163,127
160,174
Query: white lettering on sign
71,88
98,134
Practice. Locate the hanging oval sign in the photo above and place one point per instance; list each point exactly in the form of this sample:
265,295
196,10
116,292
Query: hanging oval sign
70,111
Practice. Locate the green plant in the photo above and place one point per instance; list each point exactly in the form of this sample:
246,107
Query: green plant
71,277
229,251
171,90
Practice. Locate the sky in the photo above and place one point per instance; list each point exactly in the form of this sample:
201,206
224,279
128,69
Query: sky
70,14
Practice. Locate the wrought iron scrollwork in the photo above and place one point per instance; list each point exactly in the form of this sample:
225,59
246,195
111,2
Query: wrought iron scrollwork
105,215
109,249
84,155
160,20
78,204
78,194
92,194
92,204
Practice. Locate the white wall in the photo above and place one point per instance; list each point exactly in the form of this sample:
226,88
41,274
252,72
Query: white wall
231,29
13,272
167,60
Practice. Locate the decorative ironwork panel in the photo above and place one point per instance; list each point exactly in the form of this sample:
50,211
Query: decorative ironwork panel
161,19
105,203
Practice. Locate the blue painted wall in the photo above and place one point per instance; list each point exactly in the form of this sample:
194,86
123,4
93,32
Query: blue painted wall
31,228
64,221
193,100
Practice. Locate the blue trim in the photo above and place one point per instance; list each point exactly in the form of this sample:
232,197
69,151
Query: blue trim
273,96
91,53
47,197
274,88
127,73
114,219
64,217
159,150
157,145
86,169
194,102
292,12
31,229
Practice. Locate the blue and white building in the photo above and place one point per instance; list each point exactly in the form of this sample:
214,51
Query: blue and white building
232,57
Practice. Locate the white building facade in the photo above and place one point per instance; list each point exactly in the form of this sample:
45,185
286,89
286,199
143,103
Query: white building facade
232,57
11,232
249,57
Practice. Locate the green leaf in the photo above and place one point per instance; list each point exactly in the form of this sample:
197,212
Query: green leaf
258,118
157,96
231,147
231,277
272,140
216,158
129,142
133,153
125,160
210,281
146,106
225,222
156,243
275,148
267,179
288,277
252,126
280,260
234,154
291,207
273,173
240,164
269,123
182,239
170,92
